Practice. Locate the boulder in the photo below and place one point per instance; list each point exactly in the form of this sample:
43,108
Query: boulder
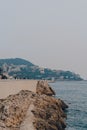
44,88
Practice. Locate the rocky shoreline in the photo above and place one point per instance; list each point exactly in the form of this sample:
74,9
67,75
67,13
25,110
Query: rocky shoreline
33,111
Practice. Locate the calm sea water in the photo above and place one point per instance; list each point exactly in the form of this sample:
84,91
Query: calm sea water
74,93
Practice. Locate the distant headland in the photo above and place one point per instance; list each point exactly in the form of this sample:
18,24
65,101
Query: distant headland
17,68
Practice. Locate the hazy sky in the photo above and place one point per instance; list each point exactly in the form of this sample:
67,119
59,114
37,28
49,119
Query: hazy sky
49,33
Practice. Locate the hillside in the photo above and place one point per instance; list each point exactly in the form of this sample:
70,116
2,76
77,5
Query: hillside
23,69
16,61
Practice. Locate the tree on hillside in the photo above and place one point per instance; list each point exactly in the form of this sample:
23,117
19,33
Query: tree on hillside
1,71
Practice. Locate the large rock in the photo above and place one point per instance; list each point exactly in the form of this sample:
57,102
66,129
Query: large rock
13,109
44,88
49,114
32,111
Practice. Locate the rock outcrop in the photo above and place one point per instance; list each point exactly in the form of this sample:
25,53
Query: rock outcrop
33,111
44,88
13,109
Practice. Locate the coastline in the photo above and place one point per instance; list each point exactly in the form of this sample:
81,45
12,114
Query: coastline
33,110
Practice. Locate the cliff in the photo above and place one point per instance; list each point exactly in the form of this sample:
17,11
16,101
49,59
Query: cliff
33,111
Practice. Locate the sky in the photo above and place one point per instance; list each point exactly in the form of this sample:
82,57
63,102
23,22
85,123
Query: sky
48,33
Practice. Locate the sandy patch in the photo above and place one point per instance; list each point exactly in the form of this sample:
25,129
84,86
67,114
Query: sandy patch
8,87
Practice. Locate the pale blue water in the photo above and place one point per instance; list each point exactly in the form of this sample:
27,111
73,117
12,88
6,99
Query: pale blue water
74,93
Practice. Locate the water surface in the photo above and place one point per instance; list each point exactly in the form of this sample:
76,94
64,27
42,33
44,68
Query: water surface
74,93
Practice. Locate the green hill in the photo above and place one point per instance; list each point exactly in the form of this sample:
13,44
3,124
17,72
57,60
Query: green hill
15,61
23,69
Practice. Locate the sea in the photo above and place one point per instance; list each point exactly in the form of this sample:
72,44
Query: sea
74,93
